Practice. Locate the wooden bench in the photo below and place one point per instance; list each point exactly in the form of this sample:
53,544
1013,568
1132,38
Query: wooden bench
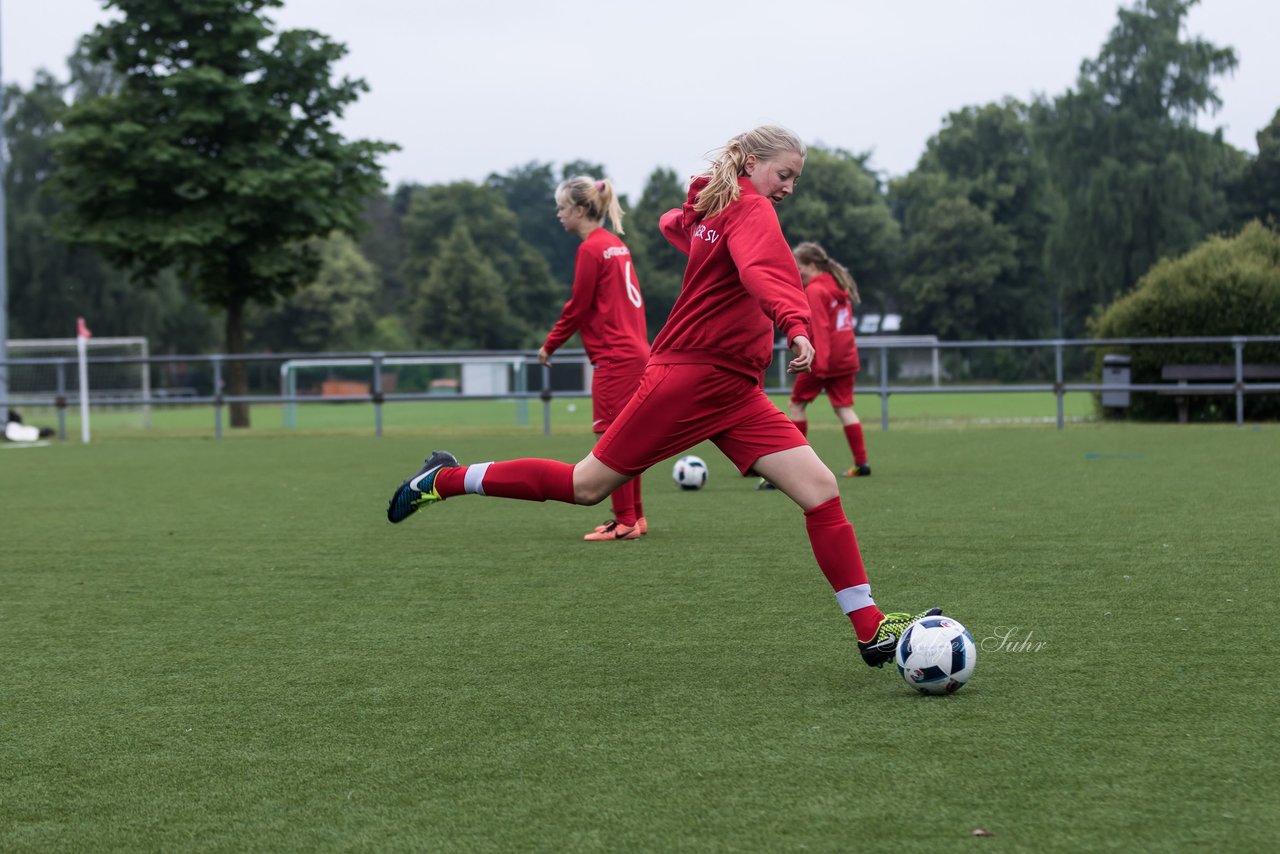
1184,375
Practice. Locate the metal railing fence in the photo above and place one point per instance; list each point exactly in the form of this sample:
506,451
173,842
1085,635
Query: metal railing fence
877,376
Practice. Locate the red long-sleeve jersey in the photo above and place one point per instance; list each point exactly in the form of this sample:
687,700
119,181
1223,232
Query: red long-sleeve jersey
741,282
606,307
833,336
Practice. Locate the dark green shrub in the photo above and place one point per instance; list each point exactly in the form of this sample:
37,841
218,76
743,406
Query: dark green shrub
1224,286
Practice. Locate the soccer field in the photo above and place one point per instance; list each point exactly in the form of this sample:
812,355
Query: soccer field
224,646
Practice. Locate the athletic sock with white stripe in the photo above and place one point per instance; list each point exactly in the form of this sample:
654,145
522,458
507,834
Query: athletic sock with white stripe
836,548
526,480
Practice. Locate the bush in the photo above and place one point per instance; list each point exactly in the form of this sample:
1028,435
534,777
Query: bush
1224,286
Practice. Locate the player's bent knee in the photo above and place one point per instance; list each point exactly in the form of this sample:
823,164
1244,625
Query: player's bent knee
589,495
593,482
589,491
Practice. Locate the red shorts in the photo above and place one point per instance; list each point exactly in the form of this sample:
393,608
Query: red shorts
611,390
839,389
678,406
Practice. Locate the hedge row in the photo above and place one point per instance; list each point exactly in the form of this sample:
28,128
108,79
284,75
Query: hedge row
1225,286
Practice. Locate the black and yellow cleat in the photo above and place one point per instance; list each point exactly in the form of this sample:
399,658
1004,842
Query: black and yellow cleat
420,490
880,649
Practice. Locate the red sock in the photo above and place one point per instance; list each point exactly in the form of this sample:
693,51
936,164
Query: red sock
527,480
803,426
857,444
836,548
639,504
623,501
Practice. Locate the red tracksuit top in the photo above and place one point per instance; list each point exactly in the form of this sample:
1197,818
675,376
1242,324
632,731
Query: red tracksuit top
741,282
606,307
833,338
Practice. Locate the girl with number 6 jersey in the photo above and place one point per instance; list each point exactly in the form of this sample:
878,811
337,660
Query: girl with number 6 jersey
607,310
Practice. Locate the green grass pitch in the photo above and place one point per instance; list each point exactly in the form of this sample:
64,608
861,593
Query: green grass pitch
224,646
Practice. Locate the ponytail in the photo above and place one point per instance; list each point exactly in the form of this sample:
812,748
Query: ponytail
597,196
722,190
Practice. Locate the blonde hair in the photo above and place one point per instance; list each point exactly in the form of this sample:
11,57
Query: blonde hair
728,163
812,253
597,196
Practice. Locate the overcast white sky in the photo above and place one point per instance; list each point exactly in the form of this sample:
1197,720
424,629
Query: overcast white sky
469,87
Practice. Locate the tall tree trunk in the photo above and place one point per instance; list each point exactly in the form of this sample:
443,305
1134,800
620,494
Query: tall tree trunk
237,370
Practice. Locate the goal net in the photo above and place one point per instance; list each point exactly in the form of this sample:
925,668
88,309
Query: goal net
43,369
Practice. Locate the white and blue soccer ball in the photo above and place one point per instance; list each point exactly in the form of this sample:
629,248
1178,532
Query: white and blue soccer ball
690,473
936,655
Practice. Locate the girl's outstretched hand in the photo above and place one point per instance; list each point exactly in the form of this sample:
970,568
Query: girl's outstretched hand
804,353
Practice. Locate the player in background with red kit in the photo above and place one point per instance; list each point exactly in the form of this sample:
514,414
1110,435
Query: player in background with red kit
833,295
607,311
704,380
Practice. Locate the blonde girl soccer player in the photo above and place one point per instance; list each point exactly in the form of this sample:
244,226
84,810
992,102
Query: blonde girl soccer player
607,311
704,380
832,295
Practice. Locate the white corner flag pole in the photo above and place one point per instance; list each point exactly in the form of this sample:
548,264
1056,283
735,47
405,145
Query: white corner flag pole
82,340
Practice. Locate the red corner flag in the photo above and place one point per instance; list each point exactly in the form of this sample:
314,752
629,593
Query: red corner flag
82,331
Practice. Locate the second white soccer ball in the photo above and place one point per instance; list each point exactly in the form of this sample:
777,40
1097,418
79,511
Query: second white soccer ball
690,473
936,655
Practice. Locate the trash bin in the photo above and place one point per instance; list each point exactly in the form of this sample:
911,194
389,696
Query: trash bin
1116,371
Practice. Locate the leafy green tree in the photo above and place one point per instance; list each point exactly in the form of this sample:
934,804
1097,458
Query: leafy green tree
659,265
531,298
529,192
216,157
382,242
462,304
958,258
435,210
334,312
1257,194
51,282
840,204
1137,181
533,295
975,213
